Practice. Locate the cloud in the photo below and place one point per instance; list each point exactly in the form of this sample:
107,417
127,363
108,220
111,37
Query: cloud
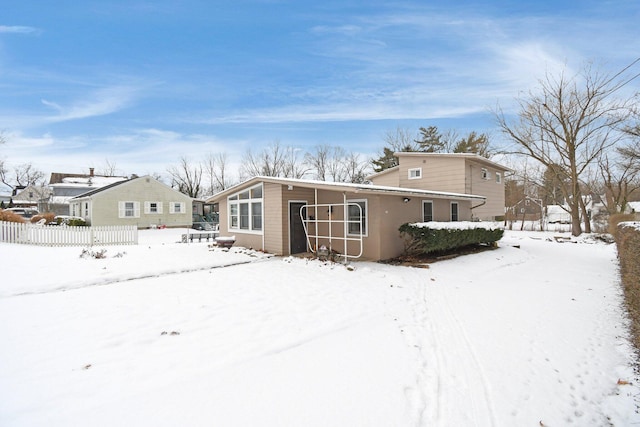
99,103
18,29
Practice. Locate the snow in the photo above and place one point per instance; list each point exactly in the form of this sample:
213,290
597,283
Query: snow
460,225
167,333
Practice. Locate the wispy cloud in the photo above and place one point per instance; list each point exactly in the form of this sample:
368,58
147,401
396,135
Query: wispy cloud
99,103
18,29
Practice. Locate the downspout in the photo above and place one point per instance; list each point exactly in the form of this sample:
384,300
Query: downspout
344,221
315,215
484,202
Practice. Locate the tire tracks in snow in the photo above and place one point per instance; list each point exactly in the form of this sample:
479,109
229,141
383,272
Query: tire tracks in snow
451,387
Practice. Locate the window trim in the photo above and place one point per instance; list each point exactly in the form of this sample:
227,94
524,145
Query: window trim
416,176
427,202
147,207
237,201
365,217
172,207
498,178
484,173
122,209
457,205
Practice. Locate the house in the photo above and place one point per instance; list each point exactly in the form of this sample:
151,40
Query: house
65,186
30,196
141,201
288,216
464,173
557,214
527,208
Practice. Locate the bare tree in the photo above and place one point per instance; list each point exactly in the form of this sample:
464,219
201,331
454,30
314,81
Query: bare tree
21,176
570,122
269,162
355,168
187,178
215,167
109,168
326,162
274,160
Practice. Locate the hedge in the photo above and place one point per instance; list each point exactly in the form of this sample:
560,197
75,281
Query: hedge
429,238
628,244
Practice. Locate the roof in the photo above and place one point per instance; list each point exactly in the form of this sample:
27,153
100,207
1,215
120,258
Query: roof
467,156
99,189
91,193
343,186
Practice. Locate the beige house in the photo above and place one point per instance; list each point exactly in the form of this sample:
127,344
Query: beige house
464,173
288,216
144,202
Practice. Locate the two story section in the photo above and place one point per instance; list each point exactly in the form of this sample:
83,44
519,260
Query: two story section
464,173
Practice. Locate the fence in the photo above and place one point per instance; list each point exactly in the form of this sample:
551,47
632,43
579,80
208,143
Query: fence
60,235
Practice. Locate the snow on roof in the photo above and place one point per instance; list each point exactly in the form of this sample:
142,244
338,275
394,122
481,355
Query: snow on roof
94,182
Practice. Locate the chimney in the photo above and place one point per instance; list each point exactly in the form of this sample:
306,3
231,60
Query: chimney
90,172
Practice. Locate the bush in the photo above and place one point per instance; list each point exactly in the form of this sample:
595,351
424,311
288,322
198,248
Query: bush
628,243
10,216
616,219
420,240
47,216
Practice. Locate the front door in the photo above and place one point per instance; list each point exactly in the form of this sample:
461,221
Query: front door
297,236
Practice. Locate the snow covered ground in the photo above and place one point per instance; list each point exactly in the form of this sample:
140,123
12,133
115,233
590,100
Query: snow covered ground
161,334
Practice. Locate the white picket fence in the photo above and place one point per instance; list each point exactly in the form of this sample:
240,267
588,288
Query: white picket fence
61,235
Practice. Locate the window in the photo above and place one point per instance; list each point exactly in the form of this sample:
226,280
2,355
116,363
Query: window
415,173
484,173
176,208
129,209
427,210
498,177
454,211
245,210
357,217
86,209
153,207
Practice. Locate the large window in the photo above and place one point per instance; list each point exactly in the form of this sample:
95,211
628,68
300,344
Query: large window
129,209
427,210
245,210
357,217
454,211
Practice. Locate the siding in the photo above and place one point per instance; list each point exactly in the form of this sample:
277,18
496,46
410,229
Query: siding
438,173
104,206
493,191
273,219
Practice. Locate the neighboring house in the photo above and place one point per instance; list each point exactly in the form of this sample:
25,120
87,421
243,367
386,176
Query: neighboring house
144,202
529,209
65,186
557,214
288,216
30,196
464,173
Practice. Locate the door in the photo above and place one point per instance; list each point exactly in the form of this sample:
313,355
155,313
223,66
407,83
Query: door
297,236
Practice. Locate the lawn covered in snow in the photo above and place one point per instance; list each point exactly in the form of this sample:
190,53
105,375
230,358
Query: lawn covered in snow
167,334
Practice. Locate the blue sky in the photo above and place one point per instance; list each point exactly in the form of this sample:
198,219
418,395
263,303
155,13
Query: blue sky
143,83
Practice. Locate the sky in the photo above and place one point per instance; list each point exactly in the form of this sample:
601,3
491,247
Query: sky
139,85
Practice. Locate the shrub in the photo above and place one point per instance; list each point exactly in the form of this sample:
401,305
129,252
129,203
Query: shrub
628,243
423,239
47,216
10,216
616,219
